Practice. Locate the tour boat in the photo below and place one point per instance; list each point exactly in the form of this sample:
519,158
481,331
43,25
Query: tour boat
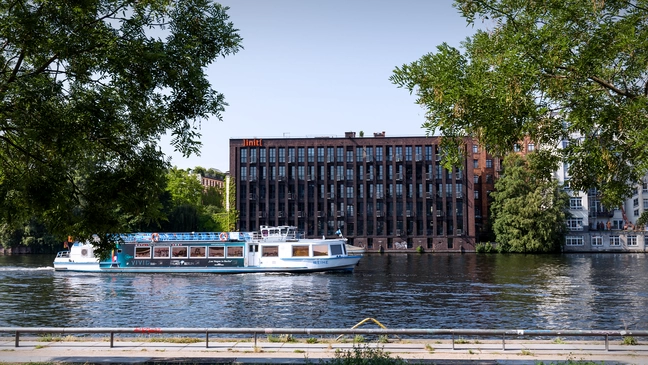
272,249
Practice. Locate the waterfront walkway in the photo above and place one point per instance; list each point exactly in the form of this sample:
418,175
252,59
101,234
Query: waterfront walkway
132,351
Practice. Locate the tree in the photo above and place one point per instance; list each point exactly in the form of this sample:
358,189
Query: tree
86,91
529,208
552,71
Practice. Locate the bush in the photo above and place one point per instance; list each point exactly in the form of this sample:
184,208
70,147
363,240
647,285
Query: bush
364,355
486,247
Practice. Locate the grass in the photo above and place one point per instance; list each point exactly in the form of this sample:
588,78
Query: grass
429,348
526,353
359,339
629,341
52,338
461,341
173,339
558,340
312,340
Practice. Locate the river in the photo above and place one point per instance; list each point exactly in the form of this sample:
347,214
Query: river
569,291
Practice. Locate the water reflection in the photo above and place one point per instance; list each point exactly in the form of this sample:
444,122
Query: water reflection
600,291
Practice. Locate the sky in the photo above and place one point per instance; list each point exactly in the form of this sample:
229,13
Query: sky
321,68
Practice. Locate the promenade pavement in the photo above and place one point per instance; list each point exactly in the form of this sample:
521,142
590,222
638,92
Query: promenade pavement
130,351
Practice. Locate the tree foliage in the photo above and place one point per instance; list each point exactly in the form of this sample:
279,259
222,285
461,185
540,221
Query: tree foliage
86,91
529,208
551,70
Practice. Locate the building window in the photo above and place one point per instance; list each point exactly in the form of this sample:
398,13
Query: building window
645,204
475,148
320,154
476,194
282,155
636,212
476,179
243,155
597,241
476,163
516,147
575,224
530,147
574,240
632,240
489,179
576,203
311,154
615,241
489,163
635,202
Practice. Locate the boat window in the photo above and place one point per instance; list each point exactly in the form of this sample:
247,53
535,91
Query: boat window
235,251
300,251
197,252
217,251
161,252
179,252
269,251
320,250
143,252
336,250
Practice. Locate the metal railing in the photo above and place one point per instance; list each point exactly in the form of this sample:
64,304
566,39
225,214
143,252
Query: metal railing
18,331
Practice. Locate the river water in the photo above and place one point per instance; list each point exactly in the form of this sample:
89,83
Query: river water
437,291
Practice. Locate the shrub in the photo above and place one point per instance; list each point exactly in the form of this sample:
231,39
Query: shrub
364,355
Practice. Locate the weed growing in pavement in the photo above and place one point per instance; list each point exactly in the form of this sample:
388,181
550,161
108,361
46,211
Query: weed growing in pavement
364,355
526,353
630,341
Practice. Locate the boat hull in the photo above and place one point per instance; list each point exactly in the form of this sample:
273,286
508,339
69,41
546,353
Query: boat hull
346,264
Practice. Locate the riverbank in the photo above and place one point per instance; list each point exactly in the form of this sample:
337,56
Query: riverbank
135,351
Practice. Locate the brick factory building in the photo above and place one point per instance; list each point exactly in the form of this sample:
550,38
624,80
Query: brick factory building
382,193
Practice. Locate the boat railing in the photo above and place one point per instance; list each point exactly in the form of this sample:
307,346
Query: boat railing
63,254
185,236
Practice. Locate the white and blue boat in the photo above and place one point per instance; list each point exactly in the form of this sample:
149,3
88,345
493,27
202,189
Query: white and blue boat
272,249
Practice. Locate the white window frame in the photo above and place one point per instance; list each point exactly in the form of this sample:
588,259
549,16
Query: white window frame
597,240
574,240
615,241
632,241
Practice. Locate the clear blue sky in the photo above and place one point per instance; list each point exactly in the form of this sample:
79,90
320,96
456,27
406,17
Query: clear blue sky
315,67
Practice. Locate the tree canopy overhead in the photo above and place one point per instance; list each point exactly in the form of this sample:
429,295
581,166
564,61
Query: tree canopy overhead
551,70
87,88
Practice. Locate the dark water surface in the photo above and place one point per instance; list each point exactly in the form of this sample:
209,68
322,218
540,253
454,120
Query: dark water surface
571,291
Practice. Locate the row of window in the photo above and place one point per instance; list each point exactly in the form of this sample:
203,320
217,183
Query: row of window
337,154
598,241
183,252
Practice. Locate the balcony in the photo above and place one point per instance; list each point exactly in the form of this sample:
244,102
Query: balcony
339,214
321,214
